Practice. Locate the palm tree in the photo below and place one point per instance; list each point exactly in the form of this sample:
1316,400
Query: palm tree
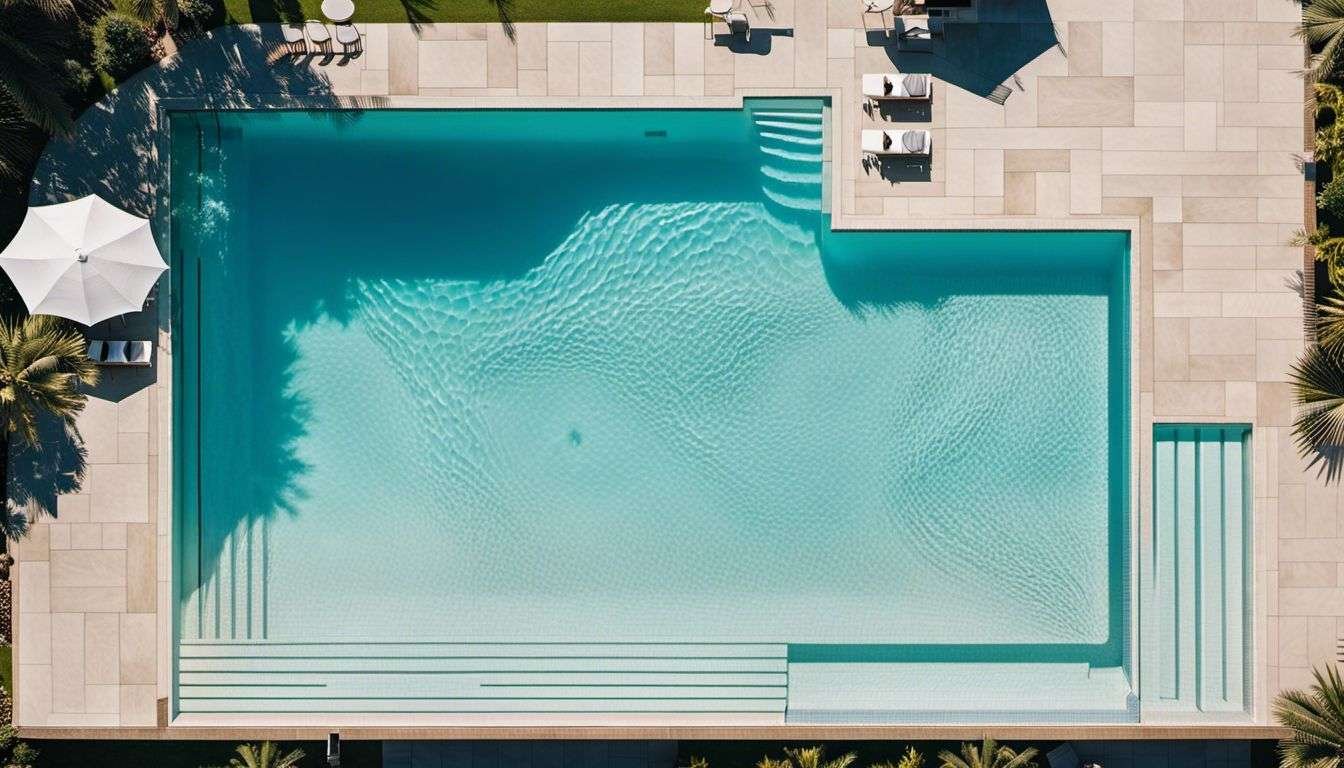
1329,249
988,755
155,11
43,366
1316,718
267,755
31,34
1318,387
1323,29
815,757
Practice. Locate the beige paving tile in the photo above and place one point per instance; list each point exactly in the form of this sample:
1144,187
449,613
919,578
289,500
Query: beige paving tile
137,706
137,643
530,42
34,699
579,33
102,648
1091,101
1158,48
1117,48
88,599
67,662
627,59
688,49
118,493
562,69
1085,48
1085,181
532,82
988,173
101,699
34,640
761,71
595,69
88,568
659,49
501,58
453,64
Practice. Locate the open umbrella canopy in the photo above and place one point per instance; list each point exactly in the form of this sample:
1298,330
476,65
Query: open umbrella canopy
86,260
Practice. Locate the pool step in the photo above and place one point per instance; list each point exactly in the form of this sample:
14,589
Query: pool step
1193,579
791,143
427,678
922,693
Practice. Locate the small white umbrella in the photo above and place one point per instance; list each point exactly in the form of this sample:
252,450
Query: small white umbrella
86,260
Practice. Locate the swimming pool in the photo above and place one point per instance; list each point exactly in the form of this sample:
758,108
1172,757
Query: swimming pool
457,387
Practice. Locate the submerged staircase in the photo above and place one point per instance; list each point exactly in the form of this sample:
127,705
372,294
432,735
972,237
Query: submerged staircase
793,143
486,683
1194,580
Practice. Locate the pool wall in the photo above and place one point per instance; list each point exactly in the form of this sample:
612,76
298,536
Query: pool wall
1124,448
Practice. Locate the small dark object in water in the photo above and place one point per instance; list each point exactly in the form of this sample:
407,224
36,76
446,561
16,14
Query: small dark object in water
575,439
655,134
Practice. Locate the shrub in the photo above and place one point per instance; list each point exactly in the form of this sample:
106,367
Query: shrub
121,45
78,80
1332,198
196,17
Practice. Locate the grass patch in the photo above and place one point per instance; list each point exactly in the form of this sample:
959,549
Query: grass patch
7,668
429,11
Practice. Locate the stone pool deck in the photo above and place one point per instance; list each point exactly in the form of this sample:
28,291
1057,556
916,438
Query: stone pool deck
1182,120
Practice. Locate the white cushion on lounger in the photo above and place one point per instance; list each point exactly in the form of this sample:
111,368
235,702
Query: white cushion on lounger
916,85
96,350
293,33
915,142
346,34
872,141
872,85
116,353
137,352
317,31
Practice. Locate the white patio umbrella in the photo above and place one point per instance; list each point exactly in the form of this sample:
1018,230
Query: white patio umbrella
86,260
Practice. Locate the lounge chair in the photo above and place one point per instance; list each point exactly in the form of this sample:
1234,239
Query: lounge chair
348,37
120,352
318,35
738,24
878,143
894,86
295,43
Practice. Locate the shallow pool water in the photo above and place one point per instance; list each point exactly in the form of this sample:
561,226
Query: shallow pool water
609,376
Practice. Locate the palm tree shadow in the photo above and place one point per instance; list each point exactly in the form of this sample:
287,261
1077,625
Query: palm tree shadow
418,12
38,476
505,11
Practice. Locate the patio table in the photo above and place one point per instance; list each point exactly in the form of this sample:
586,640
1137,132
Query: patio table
338,10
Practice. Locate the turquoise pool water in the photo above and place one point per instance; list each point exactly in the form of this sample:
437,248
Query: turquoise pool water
495,377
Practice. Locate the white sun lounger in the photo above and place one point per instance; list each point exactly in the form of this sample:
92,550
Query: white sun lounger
120,352
349,38
909,142
904,87
318,35
295,42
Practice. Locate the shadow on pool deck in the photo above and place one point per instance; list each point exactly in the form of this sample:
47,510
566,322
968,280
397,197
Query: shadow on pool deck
112,150
979,57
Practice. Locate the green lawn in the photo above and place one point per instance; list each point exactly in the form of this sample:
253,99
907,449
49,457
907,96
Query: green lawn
7,669
425,11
